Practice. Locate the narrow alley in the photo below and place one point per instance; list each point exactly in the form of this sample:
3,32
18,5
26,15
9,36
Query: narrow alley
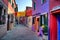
20,32
29,19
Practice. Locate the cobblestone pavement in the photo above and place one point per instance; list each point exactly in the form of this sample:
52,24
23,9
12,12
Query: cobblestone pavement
45,38
20,32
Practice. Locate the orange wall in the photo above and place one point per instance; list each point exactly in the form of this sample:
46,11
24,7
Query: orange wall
36,24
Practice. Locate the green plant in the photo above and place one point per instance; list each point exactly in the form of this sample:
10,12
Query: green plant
45,29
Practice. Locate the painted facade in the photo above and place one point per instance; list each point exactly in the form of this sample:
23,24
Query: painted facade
51,8
11,16
40,10
3,18
29,17
28,11
54,19
34,13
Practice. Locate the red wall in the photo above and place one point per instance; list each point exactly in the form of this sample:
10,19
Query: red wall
15,13
53,27
53,20
29,12
54,3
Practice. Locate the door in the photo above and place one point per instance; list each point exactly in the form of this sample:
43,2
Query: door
8,23
53,27
58,23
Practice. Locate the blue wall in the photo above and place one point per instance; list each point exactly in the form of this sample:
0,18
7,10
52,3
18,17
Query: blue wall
58,17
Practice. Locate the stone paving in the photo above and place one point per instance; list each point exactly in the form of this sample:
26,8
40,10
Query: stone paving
20,32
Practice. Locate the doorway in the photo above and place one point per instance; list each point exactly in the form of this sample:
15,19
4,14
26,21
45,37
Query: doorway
54,26
8,23
58,23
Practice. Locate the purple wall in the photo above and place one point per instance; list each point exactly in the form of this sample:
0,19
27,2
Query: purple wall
37,6
40,8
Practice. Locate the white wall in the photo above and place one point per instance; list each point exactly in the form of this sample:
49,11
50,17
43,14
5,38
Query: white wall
29,22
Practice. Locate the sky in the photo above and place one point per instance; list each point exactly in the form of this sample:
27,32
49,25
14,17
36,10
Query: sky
23,3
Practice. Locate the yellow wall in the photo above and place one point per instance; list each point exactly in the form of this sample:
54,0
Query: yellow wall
20,14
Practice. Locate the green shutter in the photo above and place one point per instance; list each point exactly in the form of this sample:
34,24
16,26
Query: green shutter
45,23
40,20
45,20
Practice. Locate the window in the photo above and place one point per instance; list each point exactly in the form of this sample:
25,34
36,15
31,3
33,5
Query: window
45,23
43,1
46,19
34,5
9,1
43,20
16,9
13,5
40,20
33,20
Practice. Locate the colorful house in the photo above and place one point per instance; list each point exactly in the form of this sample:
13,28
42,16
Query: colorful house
11,16
3,18
54,19
44,13
36,14
29,17
48,10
